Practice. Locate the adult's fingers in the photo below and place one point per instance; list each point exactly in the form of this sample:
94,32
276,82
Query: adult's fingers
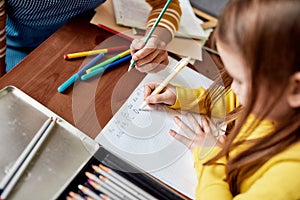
143,50
154,66
136,45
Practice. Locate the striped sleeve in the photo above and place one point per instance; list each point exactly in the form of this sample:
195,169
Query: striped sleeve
171,17
2,36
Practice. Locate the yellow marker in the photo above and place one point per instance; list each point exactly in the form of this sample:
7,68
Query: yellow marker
93,52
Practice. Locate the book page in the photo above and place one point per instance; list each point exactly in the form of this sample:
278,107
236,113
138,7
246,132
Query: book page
142,137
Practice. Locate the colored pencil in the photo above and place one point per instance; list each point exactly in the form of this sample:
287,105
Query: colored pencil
114,32
26,157
89,192
122,182
132,63
105,192
108,61
111,184
69,198
23,155
211,50
93,177
75,196
75,76
94,52
102,69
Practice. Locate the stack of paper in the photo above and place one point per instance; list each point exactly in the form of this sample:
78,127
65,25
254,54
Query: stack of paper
181,46
134,13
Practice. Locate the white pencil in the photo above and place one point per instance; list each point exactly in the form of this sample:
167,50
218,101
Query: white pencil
178,67
89,192
24,159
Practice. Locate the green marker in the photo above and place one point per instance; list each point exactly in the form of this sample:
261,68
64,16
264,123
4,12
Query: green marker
108,61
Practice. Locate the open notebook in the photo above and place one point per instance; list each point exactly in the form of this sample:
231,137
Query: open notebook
142,137
134,13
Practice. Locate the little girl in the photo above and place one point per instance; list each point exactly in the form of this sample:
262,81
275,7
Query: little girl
259,44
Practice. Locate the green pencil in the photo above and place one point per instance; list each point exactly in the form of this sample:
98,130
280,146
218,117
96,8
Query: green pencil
132,63
108,61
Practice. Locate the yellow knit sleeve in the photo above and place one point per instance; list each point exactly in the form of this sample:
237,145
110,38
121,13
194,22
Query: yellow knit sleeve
171,17
211,184
193,100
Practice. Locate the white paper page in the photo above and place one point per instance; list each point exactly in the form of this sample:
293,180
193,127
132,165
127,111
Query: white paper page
142,137
135,13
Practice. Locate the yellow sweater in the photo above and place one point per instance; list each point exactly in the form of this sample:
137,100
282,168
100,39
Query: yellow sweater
279,178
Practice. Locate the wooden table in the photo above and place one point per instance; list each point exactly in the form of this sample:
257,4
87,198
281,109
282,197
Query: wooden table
89,105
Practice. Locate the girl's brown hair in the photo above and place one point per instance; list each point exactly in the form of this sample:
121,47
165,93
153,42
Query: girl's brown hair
266,34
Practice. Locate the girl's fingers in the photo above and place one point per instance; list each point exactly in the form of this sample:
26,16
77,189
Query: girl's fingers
184,140
205,125
189,132
194,123
221,140
149,87
157,98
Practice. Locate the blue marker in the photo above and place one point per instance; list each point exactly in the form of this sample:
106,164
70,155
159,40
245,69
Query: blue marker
102,69
75,76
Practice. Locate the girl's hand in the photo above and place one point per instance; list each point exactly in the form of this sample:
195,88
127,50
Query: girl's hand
166,96
151,57
197,135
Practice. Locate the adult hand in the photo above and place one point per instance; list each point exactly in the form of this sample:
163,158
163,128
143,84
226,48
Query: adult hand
166,96
197,135
151,57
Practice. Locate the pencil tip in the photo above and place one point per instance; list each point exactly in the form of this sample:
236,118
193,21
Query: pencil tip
96,168
131,65
144,104
93,183
144,109
80,187
102,178
104,168
88,174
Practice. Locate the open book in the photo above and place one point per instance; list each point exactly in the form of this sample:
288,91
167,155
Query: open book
142,138
135,13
